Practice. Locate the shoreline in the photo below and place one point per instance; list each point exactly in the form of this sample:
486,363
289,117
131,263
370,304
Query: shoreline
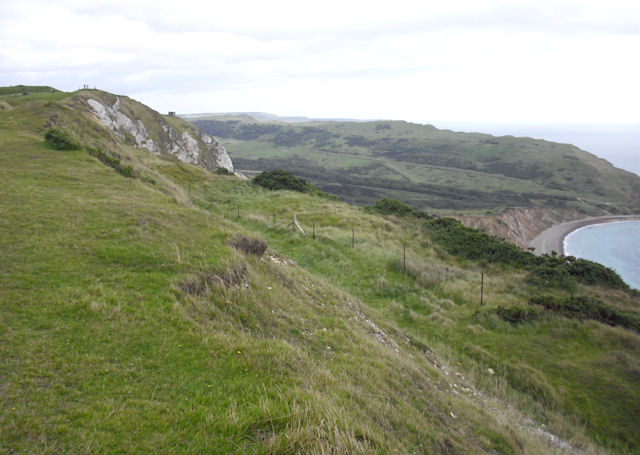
552,239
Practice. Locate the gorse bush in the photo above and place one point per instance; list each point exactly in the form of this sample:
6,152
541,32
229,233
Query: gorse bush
589,272
551,273
282,180
474,244
125,170
581,307
389,206
278,179
59,139
249,245
565,271
516,315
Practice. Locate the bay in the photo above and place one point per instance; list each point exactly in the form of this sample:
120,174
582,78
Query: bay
615,245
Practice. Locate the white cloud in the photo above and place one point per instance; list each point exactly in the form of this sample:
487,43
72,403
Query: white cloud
489,60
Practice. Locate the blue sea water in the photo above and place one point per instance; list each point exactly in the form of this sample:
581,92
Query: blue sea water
616,245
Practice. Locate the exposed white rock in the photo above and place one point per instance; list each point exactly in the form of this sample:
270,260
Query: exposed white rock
224,160
119,123
205,151
186,149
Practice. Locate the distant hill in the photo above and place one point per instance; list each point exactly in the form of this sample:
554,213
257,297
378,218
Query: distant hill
431,169
263,117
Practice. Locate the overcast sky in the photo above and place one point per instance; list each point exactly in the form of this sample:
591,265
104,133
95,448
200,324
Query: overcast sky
528,61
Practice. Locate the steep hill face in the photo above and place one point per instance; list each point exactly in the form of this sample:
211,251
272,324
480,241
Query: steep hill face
431,169
141,313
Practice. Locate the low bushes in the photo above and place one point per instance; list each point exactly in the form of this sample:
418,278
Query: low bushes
581,307
59,139
282,180
546,270
125,170
516,315
248,245
278,179
389,206
474,244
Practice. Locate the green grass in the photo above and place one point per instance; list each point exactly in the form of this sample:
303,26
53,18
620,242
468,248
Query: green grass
129,324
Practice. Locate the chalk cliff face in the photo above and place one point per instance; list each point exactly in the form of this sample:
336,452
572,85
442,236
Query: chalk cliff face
147,129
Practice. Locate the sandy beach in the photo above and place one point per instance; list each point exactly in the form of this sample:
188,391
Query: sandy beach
552,239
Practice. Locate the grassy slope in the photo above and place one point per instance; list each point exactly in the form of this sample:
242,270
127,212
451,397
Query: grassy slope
430,168
116,335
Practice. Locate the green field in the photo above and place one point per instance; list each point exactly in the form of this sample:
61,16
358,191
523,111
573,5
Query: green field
430,169
132,320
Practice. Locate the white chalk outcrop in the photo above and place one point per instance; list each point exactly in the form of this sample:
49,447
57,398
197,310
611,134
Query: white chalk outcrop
206,152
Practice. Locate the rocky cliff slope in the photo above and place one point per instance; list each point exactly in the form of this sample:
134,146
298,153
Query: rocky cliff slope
164,135
133,123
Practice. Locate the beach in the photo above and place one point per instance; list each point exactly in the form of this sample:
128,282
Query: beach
552,239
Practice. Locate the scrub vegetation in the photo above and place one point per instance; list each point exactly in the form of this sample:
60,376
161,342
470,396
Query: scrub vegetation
142,315
277,179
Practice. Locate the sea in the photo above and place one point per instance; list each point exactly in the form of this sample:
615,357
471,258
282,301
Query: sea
616,245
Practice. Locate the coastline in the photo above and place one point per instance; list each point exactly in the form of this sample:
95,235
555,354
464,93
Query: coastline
552,239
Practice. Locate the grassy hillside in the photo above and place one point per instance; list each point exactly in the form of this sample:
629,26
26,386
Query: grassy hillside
428,168
135,319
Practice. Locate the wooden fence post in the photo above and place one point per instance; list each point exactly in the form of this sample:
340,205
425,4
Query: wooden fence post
353,238
314,230
404,256
238,213
481,287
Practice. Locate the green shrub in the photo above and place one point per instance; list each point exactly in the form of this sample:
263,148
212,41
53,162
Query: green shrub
590,272
278,179
59,139
474,244
581,307
124,170
388,206
551,274
249,245
516,315
223,171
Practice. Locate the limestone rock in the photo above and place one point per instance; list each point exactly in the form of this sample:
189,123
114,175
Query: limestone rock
187,143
